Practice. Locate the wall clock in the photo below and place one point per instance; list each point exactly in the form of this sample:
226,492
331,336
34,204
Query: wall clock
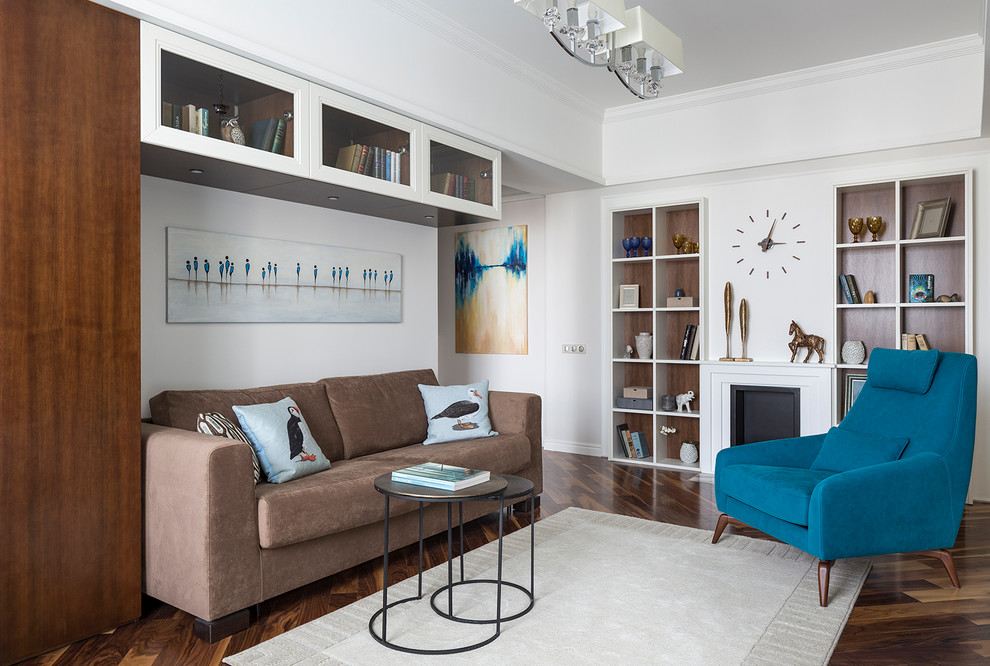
767,245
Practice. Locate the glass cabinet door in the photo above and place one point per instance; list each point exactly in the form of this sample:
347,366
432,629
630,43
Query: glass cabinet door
464,176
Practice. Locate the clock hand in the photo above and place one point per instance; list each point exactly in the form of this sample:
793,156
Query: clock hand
768,242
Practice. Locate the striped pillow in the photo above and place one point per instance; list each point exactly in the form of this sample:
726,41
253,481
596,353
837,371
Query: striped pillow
215,423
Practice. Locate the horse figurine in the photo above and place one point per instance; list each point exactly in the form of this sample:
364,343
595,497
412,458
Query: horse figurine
814,343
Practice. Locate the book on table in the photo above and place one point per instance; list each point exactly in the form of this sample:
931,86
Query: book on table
444,477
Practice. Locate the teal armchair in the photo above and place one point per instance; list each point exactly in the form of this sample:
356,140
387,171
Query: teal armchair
892,477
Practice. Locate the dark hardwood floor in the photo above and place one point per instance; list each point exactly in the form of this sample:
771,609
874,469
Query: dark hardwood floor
908,613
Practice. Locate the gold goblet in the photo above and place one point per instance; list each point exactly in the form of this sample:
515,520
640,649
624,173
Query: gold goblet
856,227
874,223
678,240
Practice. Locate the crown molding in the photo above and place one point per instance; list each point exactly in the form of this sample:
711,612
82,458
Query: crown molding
812,76
428,18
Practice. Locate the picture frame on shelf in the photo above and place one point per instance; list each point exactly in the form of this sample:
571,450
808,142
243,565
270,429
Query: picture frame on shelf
931,218
628,296
854,384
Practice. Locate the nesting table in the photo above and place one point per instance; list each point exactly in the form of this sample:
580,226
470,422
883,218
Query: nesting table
500,487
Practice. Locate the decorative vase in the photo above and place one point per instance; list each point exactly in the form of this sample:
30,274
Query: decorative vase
853,352
627,245
634,244
689,452
644,345
646,243
668,403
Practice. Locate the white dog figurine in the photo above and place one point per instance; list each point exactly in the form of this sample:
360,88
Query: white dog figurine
684,400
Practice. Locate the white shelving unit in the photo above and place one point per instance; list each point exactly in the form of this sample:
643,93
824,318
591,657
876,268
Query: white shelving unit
658,276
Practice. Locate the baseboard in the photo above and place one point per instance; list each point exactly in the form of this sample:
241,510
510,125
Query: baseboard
580,448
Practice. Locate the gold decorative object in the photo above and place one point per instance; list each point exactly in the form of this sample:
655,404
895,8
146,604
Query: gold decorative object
856,227
678,240
870,297
744,327
727,298
874,223
813,343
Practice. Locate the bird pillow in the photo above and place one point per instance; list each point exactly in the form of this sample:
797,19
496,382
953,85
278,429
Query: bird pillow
279,435
456,412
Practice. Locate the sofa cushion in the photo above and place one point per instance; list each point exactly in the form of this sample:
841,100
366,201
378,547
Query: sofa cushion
282,440
344,497
456,412
844,450
911,371
218,425
782,492
379,412
180,409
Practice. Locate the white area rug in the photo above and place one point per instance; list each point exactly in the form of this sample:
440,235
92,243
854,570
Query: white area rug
609,590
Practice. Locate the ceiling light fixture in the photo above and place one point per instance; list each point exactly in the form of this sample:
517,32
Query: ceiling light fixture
636,47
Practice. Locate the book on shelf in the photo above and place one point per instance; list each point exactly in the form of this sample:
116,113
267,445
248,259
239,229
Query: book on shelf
278,143
203,122
349,157
640,448
922,340
262,134
844,286
912,341
690,334
438,475
695,344
853,288
188,118
921,288
624,440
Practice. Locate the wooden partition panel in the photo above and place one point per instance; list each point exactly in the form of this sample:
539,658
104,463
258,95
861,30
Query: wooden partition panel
70,537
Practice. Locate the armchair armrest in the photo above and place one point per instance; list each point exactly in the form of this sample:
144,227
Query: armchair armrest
895,507
201,546
521,413
790,452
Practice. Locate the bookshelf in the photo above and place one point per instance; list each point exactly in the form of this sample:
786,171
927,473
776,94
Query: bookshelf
666,373
463,176
300,140
364,146
884,266
182,79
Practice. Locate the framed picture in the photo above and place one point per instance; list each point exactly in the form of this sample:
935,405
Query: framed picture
854,384
628,296
930,218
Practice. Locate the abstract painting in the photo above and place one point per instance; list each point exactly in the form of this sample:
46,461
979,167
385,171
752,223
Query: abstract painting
491,299
217,277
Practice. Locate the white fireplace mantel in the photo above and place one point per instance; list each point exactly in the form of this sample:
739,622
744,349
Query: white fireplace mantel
813,379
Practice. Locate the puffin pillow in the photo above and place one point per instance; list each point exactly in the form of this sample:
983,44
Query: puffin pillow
456,412
280,437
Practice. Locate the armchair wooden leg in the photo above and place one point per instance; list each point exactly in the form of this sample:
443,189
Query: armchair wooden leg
824,568
946,558
723,520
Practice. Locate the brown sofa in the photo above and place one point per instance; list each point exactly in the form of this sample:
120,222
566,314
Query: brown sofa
215,544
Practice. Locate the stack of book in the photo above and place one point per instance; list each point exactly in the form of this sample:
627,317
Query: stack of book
910,341
634,444
849,289
437,475
186,118
453,185
689,347
371,161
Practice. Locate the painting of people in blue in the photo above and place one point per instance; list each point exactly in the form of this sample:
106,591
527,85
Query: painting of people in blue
260,297
491,294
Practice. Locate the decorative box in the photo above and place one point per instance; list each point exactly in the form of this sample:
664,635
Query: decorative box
921,288
682,302
634,403
637,392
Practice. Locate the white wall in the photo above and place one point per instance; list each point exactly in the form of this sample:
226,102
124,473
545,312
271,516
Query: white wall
186,356
574,407
505,372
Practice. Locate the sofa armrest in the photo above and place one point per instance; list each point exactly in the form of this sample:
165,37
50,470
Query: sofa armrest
201,546
894,507
790,452
521,413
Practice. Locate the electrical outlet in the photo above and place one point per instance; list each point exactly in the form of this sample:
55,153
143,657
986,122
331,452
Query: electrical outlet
574,349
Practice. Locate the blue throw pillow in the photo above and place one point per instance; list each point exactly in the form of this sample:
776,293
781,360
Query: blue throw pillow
456,412
911,371
279,435
844,450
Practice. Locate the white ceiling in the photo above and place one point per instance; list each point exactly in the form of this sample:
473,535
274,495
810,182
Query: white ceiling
728,41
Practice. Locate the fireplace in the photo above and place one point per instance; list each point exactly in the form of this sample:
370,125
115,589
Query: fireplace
802,391
762,413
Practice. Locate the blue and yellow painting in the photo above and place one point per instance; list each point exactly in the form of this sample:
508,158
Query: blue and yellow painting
491,304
